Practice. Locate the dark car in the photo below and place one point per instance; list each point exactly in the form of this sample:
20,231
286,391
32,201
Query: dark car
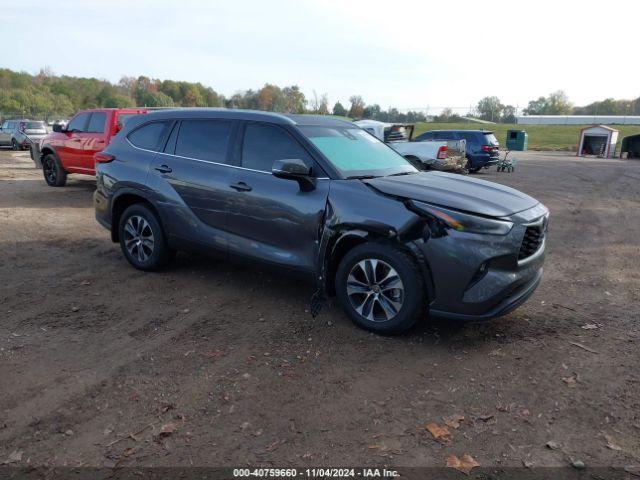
482,145
321,197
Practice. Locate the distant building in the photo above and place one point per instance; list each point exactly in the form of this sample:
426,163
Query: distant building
578,120
598,140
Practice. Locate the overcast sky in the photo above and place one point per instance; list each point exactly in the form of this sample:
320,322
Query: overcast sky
403,54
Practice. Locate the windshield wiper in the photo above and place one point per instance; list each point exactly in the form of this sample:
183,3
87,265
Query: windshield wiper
401,173
361,177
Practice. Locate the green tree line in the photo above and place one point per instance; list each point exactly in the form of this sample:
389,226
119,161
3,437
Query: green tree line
50,96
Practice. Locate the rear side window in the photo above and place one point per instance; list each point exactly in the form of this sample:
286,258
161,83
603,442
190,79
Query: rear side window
264,144
204,140
149,136
77,123
445,136
468,136
97,122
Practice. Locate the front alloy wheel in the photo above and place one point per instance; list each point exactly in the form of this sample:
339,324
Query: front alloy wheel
381,287
375,290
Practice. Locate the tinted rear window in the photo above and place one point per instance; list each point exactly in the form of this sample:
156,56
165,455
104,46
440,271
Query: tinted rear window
469,136
149,136
204,140
444,135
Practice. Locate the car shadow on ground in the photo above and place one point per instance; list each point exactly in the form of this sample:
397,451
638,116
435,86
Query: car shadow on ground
78,193
290,289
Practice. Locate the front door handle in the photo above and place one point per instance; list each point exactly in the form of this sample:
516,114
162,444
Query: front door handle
164,169
241,187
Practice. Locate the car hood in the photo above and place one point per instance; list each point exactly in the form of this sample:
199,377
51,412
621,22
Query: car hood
455,191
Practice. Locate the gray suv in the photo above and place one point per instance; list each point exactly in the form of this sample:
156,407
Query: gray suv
20,134
323,198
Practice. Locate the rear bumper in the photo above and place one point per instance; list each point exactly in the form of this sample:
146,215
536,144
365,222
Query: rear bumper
482,160
102,210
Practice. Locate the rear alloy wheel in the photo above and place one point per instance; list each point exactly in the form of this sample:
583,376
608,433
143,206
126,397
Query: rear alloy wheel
380,288
142,239
14,145
54,174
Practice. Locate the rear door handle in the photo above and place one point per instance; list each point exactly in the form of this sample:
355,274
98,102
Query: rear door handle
241,187
164,169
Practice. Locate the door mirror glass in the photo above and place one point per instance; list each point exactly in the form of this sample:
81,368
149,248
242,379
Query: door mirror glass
294,169
57,128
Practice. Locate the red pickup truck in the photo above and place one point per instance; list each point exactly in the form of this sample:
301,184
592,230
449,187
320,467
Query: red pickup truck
70,149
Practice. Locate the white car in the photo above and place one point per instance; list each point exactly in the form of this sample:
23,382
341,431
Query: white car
433,154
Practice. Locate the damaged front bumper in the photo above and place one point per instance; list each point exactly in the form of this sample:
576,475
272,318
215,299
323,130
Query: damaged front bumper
479,277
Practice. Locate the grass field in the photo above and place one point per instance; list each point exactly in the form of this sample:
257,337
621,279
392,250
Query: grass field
541,137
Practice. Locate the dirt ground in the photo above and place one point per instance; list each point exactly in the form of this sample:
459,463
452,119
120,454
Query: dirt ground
96,358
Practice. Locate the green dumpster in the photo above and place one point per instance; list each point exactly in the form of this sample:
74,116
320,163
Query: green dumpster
517,140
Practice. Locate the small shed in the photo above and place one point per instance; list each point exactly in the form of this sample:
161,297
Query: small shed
630,147
598,140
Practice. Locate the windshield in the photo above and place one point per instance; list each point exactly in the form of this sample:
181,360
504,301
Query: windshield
356,153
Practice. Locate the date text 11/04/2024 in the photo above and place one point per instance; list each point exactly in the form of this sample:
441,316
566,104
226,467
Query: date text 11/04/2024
315,473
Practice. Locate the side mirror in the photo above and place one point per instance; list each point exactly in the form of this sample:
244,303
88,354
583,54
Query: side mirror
294,169
57,128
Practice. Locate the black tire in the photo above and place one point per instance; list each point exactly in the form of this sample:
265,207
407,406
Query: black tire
413,297
471,169
14,145
135,246
54,174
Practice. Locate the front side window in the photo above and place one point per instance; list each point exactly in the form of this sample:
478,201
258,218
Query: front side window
356,153
97,122
264,144
204,140
77,123
149,136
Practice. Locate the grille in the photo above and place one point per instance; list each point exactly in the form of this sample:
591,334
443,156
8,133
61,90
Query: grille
531,242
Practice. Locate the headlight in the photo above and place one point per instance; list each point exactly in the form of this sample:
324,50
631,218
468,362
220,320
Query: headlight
464,222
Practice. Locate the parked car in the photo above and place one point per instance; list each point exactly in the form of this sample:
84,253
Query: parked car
482,145
448,156
324,198
70,148
19,134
